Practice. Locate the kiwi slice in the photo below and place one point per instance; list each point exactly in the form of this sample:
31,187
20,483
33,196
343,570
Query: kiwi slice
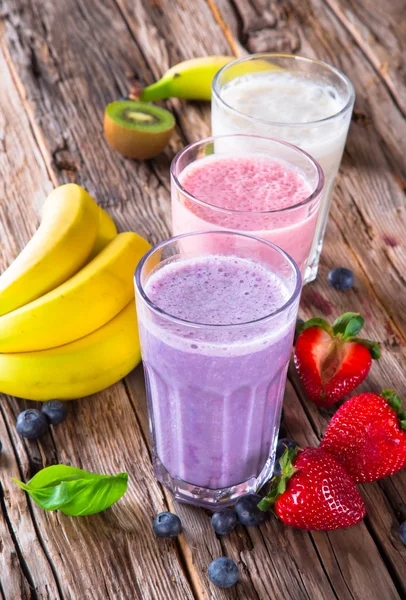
137,129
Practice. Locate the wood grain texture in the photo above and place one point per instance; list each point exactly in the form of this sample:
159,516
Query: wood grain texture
102,434
62,63
380,31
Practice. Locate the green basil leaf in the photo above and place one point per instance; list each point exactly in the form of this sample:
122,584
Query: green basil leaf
73,491
55,474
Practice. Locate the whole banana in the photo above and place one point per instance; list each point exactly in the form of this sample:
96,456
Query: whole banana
80,305
189,79
57,250
78,369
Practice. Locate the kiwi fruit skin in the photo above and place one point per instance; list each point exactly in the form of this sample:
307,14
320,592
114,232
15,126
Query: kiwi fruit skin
134,142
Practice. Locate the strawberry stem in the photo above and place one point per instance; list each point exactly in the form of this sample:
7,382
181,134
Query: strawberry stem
395,402
373,347
315,322
279,482
345,328
348,325
392,399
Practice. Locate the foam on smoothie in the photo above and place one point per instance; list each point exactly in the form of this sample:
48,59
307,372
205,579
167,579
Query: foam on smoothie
219,290
247,182
283,97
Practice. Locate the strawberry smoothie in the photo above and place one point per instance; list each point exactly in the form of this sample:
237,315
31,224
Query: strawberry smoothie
216,368
257,193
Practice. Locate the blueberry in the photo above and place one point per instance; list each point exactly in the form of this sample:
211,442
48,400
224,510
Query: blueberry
124,98
247,510
55,411
31,424
402,532
224,521
167,525
281,446
298,321
223,572
341,279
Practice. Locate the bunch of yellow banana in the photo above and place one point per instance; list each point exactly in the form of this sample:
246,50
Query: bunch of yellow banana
68,325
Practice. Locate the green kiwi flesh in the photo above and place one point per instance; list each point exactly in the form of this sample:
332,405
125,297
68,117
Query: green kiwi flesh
140,115
137,129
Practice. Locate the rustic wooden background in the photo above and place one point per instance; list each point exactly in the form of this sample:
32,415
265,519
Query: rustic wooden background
60,63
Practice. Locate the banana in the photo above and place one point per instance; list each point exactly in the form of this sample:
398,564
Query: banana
189,79
105,234
192,79
107,229
57,250
78,369
80,305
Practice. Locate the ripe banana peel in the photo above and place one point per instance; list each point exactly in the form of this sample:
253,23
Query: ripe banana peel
78,369
192,79
106,232
80,305
189,79
58,249
107,229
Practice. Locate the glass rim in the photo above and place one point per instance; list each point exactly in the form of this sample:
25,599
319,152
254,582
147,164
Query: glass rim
314,195
266,55
156,309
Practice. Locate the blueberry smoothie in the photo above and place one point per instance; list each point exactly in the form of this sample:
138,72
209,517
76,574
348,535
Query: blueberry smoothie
255,193
216,368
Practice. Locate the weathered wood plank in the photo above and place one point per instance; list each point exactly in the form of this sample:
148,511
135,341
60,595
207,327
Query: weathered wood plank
113,555
369,200
67,69
380,317
23,184
196,33
265,555
380,31
319,299
15,577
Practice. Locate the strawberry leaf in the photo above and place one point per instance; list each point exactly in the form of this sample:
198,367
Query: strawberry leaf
402,423
315,322
392,399
348,325
373,347
279,482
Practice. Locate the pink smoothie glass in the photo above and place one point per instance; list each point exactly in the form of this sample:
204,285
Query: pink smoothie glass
272,191
216,329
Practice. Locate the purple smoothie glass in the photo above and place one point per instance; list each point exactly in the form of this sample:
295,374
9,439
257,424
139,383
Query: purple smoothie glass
215,392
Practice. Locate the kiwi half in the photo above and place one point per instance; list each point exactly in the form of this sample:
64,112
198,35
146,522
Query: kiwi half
137,129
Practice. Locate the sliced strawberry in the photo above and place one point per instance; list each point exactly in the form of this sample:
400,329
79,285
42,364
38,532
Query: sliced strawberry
314,492
368,436
331,360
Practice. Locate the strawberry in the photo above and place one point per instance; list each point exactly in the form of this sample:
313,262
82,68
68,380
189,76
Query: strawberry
331,360
314,492
368,436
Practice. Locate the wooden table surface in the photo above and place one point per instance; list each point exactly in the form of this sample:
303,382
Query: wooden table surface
60,63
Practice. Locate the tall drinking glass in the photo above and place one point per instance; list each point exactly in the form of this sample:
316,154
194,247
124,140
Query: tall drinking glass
272,191
216,332
303,101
